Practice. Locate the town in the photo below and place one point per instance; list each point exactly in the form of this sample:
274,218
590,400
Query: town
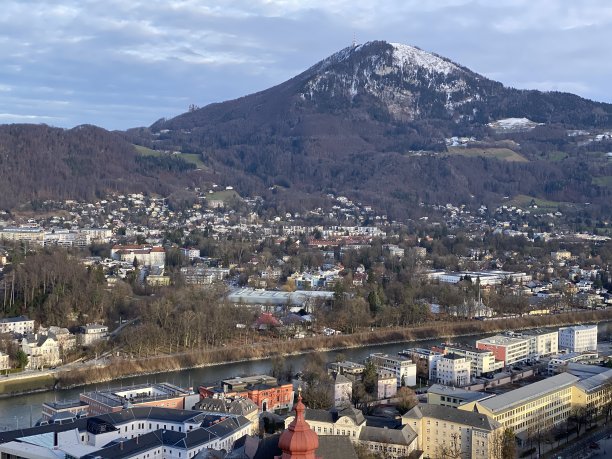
135,283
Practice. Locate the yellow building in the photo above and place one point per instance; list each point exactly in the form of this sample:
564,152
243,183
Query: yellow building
594,392
536,406
448,432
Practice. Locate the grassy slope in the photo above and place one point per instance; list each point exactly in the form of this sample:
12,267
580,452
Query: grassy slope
503,154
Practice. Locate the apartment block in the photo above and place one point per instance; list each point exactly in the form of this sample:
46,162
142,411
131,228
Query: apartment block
401,367
508,349
579,338
482,361
453,370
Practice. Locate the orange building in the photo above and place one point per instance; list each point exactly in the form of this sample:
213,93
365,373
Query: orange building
263,390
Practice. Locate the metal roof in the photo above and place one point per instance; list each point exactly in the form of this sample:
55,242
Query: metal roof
528,393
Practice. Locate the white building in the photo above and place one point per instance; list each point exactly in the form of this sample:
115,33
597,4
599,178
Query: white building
482,361
20,324
42,351
386,385
453,370
542,342
92,333
145,255
343,391
579,338
403,369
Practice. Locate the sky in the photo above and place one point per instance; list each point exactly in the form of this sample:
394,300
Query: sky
127,63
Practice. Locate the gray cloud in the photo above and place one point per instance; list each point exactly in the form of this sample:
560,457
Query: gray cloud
121,64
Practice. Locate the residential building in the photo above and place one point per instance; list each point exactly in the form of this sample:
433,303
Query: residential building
429,357
203,275
542,342
42,351
482,361
66,340
508,349
343,390
453,370
561,255
190,253
448,432
92,333
536,406
403,368
4,361
386,385
579,338
31,234
144,255
351,370
163,395
154,432
20,325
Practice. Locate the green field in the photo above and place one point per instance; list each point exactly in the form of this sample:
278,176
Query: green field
524,202
192,158
503,154
604,180
224,195
144,151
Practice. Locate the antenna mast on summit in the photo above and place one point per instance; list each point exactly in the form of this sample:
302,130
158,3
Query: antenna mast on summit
354,40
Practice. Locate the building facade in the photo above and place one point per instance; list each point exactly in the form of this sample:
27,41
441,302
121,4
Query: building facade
453,370
447,432
403,369
579,338
509,350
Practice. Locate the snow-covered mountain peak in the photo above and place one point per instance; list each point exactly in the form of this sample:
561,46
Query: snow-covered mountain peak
410,55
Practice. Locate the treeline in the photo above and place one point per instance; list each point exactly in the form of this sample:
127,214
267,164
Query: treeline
38,162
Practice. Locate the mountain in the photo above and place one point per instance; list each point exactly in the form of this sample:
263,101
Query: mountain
371,121
38,162
389,125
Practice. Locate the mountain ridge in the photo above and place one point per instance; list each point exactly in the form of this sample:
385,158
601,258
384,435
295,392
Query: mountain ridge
373,122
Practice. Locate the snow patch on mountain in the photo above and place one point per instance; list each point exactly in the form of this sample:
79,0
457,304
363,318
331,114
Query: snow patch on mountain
409,55
513,124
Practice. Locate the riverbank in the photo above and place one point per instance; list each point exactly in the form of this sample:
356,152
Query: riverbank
122,368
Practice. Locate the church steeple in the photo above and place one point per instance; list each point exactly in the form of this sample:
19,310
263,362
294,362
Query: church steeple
299,441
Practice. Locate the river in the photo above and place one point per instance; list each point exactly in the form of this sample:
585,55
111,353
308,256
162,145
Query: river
17,411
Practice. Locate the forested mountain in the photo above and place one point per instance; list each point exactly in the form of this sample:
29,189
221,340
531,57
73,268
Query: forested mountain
38,162
371,121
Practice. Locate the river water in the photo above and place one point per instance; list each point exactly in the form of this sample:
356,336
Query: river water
18,411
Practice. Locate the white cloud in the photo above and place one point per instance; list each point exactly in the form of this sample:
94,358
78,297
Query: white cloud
153,56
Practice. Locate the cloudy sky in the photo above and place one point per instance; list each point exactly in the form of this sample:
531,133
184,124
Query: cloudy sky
127,63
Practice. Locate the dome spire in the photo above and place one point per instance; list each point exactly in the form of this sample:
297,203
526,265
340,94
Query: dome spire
299,441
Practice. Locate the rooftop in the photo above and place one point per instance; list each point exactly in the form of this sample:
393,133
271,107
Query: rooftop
530,392
454,415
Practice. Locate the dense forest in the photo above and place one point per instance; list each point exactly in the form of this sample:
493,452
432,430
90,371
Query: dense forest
38,162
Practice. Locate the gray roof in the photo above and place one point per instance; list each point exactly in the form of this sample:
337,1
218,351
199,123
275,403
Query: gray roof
532,391
333,415
445,413
404,436
461,394
596,382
